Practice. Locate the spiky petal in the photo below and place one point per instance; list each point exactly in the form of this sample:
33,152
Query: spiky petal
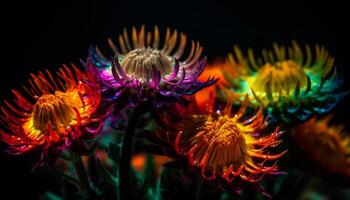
143,70
53,113
289,84
219,144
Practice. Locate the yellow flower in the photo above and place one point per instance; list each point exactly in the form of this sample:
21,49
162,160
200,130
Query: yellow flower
225,145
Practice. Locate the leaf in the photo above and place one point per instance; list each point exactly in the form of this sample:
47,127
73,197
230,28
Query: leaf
69,178
69,189
105,174
50,196
113,151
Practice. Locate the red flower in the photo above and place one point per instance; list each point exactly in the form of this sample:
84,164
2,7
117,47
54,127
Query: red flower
224,145
219,144
53,113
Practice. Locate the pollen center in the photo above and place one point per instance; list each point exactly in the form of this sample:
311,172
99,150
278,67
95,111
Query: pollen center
139,63
54,109
218,144
281,77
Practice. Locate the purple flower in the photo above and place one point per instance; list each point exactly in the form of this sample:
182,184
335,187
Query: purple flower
143,71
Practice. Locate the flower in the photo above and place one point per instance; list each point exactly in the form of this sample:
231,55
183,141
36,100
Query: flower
288,83
217,143
53,113
327,146
224,145
142,70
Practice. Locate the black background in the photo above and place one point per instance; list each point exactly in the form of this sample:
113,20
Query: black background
45,35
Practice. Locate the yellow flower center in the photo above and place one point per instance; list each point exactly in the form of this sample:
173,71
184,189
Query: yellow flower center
54,109
218,144
139,63
281,77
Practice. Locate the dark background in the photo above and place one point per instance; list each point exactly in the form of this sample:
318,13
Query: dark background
45,35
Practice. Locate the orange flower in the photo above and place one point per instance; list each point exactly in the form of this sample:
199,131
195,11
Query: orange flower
223,145
53,113
326,145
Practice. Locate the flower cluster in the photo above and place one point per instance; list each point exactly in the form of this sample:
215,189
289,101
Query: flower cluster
220,123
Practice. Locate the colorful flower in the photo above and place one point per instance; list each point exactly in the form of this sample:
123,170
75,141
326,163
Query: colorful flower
53,113
287,82
224,145
219,144
143,70
327,146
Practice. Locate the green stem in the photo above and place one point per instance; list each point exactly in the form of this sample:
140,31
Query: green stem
199,189
127,149
82,174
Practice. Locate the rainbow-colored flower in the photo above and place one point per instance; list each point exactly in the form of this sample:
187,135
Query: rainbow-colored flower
53,113
327,146
289,82
143,70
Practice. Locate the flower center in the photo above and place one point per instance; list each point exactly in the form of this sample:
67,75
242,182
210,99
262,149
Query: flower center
220,143
54,109
139,63
281,77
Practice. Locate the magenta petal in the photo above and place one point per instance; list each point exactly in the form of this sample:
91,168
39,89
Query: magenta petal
121,72
175,70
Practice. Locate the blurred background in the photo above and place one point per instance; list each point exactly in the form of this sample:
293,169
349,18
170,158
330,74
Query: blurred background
47,34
